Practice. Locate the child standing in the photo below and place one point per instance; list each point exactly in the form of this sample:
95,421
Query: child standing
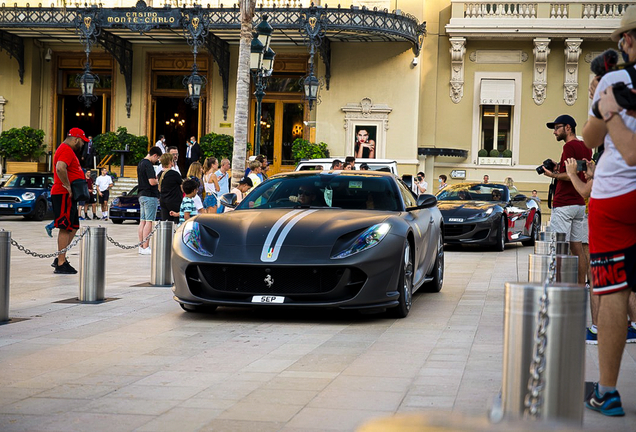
188,209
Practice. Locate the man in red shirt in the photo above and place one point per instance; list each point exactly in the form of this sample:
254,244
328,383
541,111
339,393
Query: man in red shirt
568,206
66,170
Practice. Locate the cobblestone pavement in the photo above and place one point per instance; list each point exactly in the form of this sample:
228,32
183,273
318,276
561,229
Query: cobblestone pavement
141,363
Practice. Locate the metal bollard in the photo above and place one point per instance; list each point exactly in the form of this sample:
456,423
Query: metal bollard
542,247
5,279
92,265
161,267
551,236
567,268
564,380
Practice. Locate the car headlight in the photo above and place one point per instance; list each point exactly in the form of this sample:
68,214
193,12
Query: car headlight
28,196
481,215
191,237
369,238
115,202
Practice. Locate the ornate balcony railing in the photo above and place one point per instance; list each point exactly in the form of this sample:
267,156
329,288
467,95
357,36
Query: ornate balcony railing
544,18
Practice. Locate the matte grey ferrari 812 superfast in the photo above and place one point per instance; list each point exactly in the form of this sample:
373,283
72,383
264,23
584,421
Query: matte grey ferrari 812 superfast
332,239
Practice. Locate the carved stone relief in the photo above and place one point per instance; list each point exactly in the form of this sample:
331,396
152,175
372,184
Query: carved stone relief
369,114
457,51
571,82
540,80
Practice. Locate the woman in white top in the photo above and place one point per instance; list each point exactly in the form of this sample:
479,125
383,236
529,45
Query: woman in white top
211,184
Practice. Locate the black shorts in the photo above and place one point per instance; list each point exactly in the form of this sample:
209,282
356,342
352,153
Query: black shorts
103,198
65,211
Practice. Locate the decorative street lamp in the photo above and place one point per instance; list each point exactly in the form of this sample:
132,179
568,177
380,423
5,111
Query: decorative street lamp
313,30
87,26
87,83
261,66
196,31
194,83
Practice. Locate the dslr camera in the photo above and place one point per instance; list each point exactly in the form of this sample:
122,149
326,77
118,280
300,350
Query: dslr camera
546,164
624,98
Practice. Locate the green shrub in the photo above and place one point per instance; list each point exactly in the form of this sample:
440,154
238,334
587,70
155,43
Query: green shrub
507,153
482,153
494,153
23,144
303,149
107,142
217,145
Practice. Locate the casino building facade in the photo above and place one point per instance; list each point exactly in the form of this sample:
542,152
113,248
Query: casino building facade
432,82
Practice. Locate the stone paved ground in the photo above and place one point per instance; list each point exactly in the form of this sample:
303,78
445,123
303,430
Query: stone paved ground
141,363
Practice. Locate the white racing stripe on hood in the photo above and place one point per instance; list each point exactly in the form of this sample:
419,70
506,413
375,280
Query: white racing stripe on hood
269,252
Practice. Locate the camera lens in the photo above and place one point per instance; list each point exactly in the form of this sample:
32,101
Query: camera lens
540,169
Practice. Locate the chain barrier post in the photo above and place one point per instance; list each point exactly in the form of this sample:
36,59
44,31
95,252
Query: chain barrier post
92,265
161,247
5,279
543,367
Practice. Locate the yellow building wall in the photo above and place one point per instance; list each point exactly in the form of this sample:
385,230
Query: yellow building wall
383,73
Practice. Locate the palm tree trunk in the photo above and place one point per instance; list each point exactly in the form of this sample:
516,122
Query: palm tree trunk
241,111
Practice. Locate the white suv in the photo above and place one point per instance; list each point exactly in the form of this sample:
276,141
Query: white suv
387,165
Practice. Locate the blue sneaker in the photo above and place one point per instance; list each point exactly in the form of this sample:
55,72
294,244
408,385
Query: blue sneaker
592,338
609,404
631,334
49,230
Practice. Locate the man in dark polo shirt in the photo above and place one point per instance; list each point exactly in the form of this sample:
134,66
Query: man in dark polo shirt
148,196
67,169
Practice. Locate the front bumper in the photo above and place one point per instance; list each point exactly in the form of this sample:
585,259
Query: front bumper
472,232
123,213
365,280
17,208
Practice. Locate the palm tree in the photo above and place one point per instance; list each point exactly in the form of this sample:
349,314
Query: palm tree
241,121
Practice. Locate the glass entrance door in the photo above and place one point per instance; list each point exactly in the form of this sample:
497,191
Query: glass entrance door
281,124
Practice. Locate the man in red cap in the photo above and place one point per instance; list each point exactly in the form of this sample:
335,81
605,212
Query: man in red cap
67,169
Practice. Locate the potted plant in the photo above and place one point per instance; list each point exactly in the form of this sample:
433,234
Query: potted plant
121,140
494,157
22,148
303,149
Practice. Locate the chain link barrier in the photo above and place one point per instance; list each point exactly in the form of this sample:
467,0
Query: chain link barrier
76,240
123,246
534,399
27,251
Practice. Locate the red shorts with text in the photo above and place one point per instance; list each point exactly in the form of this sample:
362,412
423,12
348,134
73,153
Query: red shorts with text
612,227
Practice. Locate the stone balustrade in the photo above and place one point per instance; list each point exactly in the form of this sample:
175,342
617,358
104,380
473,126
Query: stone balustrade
539,9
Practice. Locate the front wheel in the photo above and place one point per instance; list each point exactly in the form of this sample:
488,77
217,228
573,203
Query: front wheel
117,221
39,212
438,270
405,285
500,243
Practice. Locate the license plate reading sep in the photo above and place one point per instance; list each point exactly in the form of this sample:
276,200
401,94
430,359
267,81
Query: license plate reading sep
268,299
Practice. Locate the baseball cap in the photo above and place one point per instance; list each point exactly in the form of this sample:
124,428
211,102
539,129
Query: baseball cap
628,22
247,181
78,133
562,119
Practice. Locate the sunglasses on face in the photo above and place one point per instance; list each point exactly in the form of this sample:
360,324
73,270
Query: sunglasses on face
304,192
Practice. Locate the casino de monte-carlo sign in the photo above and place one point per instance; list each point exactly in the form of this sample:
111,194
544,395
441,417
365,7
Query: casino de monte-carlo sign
141,18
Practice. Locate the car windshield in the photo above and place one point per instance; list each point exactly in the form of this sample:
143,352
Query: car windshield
355,192
474,192
25,181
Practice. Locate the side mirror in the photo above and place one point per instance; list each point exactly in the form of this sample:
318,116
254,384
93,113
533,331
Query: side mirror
229,200
408,180
124,193
2,184
519,197
426,201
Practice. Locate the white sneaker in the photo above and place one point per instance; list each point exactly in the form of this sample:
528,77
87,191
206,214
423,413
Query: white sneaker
146,251
140,249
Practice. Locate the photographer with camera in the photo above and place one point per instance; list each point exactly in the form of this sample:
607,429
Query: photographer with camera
568,206
611,214
420,185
